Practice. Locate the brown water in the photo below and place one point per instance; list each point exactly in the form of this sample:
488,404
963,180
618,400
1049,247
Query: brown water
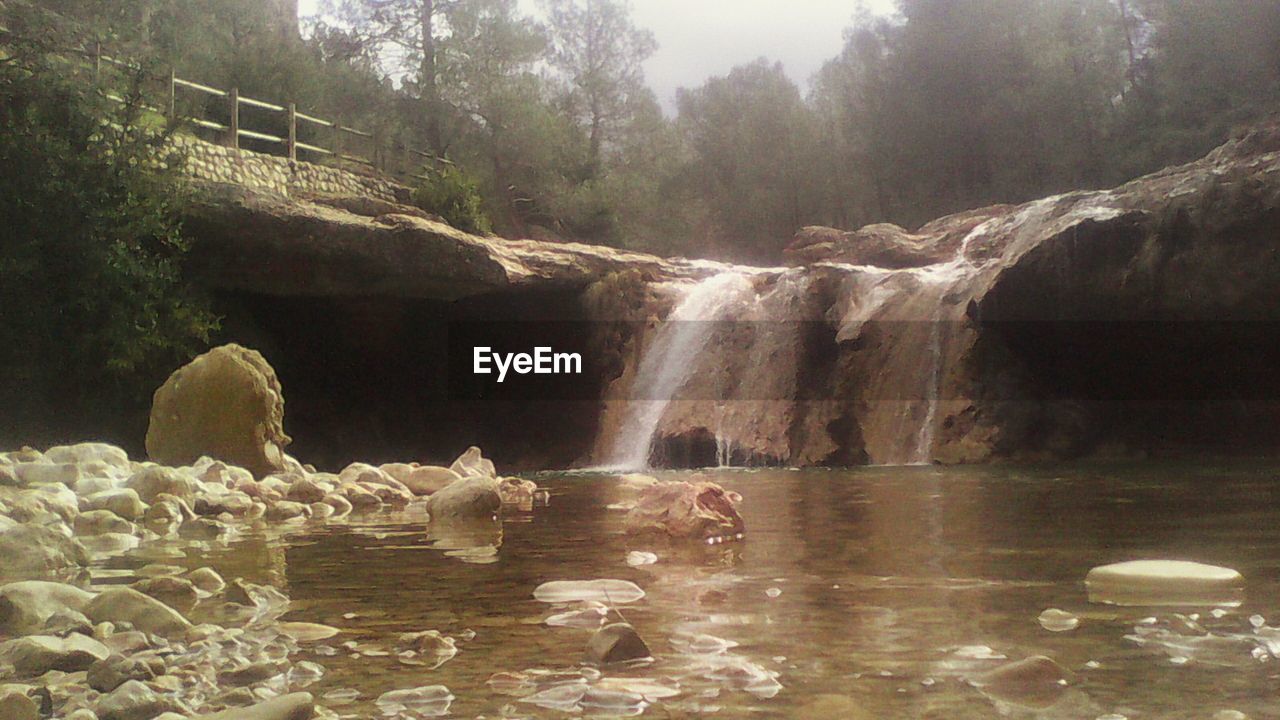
880,585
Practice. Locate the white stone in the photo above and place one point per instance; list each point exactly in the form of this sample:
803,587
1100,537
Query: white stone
1164,582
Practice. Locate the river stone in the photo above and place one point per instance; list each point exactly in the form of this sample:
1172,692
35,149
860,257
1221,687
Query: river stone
26,606
123,502
43,473
35,550
89,452
473,464
143,612
422,479
1164,582
612,592
38,654
207,579
15,705
96,522
1036,681
132,701
112,672
178,593
295,706
226,404
616,643
151,482
470,497
686,510
305,632
66,622
305,490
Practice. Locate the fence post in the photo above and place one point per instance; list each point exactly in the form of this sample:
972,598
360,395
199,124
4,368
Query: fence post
234,123
293,132
173,99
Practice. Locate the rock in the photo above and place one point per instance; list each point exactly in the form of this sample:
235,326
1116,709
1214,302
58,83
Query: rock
38,654
232,502
616,643
1034,682
207,579
287,510
296,706
883,245
1164,582
363,473
471,497
240,593
96,522
227,404
249,673
151,482
177,593
610,592
67,621
123,502
27,550
132,700
305,490
26,606
46,473
473,464
305,632
428,701
341,506
517,492
110,673
15,705
144,613
89,452
1055,620
686,510
428,648
421,479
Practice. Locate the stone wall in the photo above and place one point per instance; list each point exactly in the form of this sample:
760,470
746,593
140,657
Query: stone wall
297,179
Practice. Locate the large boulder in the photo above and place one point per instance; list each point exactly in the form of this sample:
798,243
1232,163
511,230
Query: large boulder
28,551
227,404
38,654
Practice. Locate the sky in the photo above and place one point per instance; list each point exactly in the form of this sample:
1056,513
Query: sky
698,39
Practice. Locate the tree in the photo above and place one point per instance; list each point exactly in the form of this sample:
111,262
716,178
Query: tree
601,53
750,135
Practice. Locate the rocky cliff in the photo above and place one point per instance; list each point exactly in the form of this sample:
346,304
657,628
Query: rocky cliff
1134,320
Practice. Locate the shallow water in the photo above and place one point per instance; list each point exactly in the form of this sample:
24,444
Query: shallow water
890,587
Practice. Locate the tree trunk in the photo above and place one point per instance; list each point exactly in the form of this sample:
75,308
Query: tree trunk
430,87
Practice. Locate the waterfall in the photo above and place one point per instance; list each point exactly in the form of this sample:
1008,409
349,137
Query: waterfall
670,360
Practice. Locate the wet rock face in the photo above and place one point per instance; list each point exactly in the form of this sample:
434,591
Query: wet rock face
687,511
226,404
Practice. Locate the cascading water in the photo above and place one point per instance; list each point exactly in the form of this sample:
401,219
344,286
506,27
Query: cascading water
670,361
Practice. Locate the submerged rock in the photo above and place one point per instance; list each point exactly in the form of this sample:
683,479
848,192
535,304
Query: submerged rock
686,510
1055,620
132,700
1034,682
1164,582
226,404
616,643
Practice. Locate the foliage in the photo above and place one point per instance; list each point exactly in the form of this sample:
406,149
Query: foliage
453,196
95,310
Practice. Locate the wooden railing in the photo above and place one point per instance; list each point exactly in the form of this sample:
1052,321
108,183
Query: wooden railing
289,144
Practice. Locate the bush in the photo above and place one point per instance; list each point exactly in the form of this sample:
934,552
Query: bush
454,196
93,310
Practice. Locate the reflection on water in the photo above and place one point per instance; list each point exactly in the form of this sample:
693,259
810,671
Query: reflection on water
884,592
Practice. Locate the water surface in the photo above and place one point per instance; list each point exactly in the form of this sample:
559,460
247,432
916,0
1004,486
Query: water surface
890,587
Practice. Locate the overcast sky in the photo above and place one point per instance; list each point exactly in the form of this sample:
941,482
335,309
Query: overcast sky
698,39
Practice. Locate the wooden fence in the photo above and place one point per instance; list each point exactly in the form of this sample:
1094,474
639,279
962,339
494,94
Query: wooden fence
288,145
